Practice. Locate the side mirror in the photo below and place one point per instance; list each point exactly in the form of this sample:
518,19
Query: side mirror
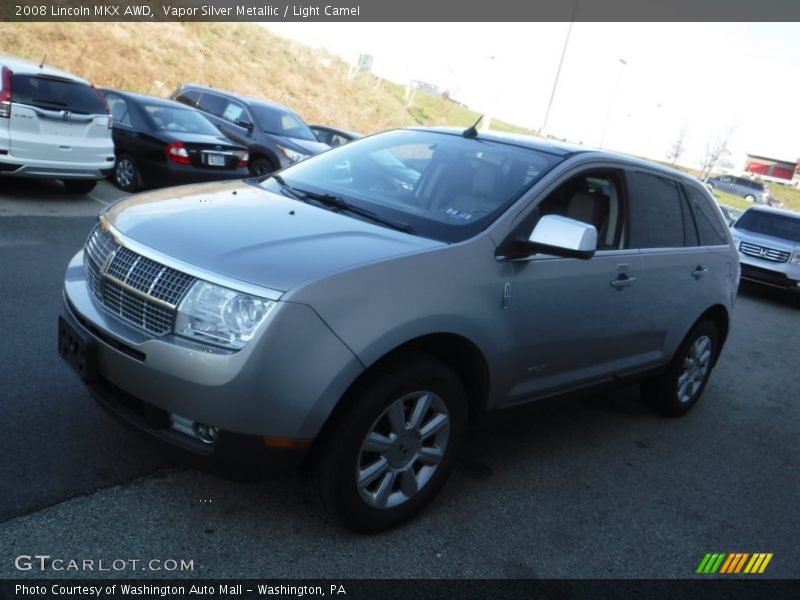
246,124
555,235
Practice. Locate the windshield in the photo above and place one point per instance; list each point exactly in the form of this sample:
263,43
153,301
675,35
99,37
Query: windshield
445,187
279,122
184,120
51,93
773,224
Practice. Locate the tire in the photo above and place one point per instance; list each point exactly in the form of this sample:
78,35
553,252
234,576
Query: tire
403,458
675,392
261,167
126,174
710,187
750,198
79,186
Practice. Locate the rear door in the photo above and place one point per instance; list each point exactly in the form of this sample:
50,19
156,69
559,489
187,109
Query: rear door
58,119
676,270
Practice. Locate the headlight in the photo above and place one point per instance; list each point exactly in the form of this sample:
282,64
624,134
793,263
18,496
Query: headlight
736,240
795,260
292,155
221,316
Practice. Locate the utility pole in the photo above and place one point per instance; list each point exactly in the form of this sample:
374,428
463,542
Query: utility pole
558,70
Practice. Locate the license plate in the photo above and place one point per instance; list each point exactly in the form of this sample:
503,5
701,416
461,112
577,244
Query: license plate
80,352
215,160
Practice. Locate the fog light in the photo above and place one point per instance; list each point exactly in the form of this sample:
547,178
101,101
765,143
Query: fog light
206,433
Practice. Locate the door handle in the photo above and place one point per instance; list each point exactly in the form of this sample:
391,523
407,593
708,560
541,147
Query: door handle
699,272
623,281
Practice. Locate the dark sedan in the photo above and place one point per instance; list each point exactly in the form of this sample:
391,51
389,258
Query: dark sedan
159,142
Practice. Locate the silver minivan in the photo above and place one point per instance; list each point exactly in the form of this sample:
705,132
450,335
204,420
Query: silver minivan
354,314
53,125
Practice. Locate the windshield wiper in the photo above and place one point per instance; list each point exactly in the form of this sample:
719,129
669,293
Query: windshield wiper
339,204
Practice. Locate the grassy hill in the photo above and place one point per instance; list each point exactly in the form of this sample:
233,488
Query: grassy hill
154,58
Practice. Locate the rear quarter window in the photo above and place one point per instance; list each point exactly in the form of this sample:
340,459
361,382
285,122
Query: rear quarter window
706,216
51,93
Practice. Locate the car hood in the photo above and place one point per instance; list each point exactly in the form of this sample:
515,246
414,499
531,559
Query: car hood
309,147
239,230
765,240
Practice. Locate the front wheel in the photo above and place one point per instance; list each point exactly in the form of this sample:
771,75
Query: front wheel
261,167
676,391
395,445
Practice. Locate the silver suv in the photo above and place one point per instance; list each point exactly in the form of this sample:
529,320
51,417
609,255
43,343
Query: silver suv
769,247
52,124
356,316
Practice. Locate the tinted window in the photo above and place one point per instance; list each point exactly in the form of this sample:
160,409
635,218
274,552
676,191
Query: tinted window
273,120
774,224
57,94
446,187
658,216
188,97
706,217
213,104
187,120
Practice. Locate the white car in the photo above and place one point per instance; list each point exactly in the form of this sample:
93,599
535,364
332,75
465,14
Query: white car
53,125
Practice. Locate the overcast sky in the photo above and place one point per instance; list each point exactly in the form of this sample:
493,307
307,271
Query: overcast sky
708,78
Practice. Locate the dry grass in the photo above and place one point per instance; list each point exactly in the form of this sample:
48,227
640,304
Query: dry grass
154,58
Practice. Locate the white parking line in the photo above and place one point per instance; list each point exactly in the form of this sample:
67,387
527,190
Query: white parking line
98,200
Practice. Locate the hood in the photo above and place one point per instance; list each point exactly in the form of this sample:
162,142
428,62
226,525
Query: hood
309,147
777,243
236,229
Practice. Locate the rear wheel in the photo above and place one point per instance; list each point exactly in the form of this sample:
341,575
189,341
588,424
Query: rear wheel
126,174
676,391
261,167
750,198
391,451
79,186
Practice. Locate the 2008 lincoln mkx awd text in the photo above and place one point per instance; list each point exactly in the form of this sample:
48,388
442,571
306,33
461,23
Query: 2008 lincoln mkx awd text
354,311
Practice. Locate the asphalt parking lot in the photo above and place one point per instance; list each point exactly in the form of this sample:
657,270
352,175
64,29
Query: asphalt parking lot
595,487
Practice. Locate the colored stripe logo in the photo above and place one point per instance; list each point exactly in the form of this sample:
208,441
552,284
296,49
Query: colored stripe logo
732,563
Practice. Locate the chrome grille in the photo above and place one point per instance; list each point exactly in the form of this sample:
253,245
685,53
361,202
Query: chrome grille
135,288
763,252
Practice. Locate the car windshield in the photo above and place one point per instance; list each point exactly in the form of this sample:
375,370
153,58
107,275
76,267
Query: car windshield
183,120
279,122
773,224
443,186
52,93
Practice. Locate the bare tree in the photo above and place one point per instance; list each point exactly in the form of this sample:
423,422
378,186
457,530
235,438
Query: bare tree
715,151
678,146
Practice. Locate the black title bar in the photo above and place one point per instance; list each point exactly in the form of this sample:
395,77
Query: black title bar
400,10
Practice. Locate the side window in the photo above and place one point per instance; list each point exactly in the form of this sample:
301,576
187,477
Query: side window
706,216
119,110
213,104
189,97
594,198
234,111
336,140
658,215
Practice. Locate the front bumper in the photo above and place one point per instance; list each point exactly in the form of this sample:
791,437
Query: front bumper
282,385
779,275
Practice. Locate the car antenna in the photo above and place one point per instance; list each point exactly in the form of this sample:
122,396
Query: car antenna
472,132
44,58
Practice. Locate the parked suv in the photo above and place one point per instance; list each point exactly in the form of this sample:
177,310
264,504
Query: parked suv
52,124
345,315
769,247
275,136
749,189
